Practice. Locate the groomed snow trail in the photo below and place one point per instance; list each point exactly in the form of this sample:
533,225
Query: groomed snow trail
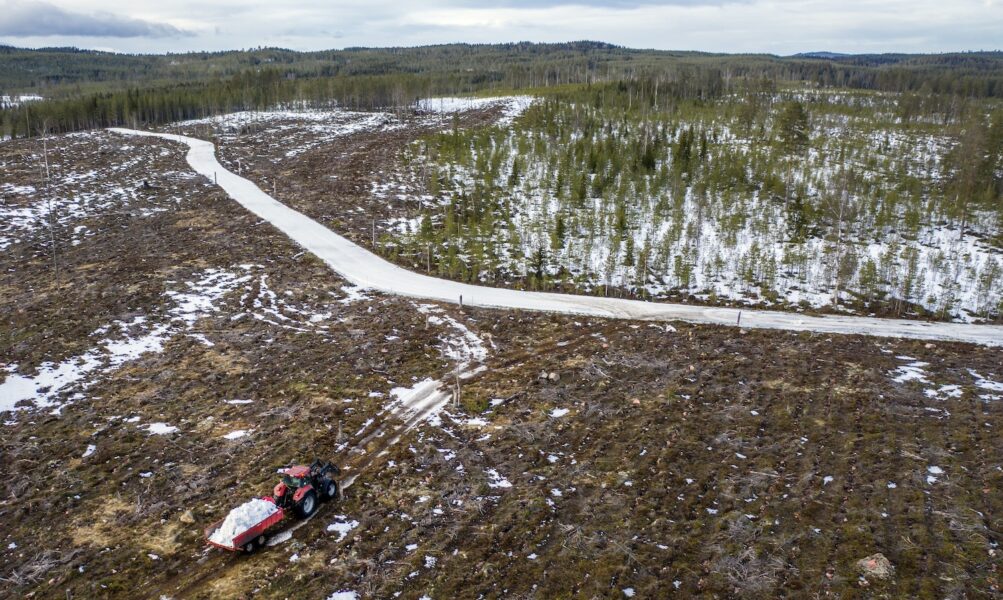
365,269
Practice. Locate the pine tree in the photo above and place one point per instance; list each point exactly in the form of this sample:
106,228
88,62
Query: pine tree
792,126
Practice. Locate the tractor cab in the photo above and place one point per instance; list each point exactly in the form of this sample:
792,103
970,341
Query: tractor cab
295,477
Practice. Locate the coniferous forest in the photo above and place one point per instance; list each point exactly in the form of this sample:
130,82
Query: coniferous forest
793,195
88,89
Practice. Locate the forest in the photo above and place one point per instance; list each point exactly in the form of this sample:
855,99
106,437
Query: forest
800,197
89,89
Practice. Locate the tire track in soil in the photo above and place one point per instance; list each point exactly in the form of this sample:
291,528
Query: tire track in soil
436,394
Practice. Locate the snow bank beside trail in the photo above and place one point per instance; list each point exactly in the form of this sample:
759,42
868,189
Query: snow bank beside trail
241,519
512,106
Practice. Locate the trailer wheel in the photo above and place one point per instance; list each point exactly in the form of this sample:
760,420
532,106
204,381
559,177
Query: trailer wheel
250,547
331,490
307,505
261,541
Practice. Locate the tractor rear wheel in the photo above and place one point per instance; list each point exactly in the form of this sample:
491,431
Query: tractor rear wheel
307,505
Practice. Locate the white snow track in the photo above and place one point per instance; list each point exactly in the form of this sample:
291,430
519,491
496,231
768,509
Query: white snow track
363,268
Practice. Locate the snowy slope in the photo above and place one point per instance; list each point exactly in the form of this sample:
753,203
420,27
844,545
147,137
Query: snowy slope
363,268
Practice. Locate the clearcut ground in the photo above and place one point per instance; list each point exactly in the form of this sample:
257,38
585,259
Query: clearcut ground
652,457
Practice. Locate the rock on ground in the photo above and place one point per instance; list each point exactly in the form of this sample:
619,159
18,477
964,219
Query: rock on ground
876,566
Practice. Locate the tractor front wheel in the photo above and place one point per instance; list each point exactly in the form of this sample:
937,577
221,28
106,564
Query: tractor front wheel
307,505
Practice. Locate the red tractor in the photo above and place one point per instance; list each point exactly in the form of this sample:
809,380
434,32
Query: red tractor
302,487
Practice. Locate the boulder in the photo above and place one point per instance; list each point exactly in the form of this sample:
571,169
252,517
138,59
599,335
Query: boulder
876,566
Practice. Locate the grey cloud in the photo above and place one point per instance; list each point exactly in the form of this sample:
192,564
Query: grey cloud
23,18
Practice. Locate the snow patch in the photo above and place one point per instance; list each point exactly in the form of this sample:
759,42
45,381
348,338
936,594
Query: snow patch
423,397
161,429
353,294
986,383
464,348
342,526
911,372
512,106
496,480
133,339
933,471
15,101
299,130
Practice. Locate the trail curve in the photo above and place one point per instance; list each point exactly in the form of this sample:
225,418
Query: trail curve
363,268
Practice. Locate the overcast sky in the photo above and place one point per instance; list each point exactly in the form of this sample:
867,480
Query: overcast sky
774,26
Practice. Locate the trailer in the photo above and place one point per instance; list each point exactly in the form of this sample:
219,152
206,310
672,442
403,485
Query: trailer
252,538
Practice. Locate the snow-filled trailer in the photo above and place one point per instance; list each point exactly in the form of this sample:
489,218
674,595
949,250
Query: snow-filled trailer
253,537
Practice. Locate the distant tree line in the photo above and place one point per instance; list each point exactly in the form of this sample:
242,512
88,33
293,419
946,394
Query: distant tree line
95,89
